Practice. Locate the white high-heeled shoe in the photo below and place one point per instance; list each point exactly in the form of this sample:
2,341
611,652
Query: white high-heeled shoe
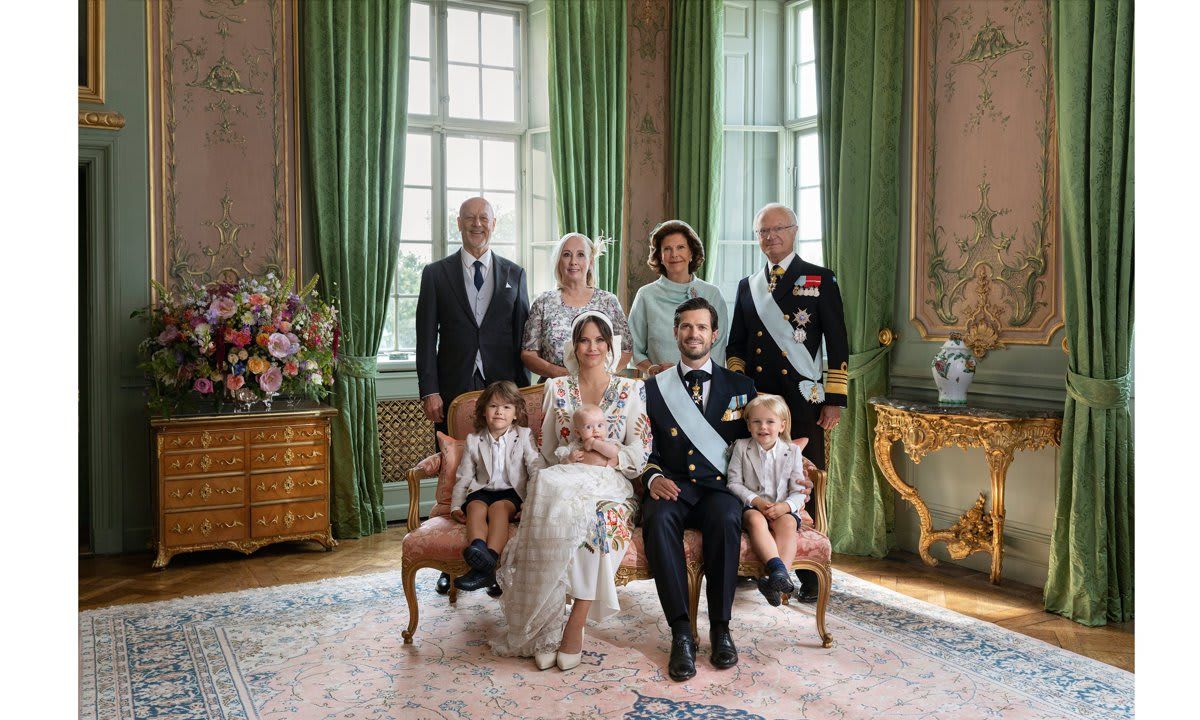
567,661
546,660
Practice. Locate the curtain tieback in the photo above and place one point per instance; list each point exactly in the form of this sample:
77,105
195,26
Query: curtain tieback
863,362
1099,393
358,366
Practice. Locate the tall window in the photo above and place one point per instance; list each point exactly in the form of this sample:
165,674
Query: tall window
770,131
468,135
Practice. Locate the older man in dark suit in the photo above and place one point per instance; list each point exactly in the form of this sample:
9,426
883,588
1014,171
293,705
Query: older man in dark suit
471,316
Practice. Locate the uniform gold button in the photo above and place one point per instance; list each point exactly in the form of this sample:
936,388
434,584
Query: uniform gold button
693,481
718,477
784,371
758,368
758,351
785,353
692,467
690,452
674,432
759,333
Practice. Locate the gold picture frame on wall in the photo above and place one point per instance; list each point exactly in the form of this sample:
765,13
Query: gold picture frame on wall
91,51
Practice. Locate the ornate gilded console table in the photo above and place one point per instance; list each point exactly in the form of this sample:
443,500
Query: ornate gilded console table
924,427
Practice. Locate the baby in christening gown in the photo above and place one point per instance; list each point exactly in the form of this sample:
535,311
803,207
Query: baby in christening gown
589,446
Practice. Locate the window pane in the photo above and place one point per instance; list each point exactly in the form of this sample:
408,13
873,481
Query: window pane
418,157
464,91
810,252
542,278
810,163
508,252
505,205
498,39
416,214
388,341
462,36
411,258
499,95
418,87
808,90
406,314
462,164
805,28
810,214
500,164
418,31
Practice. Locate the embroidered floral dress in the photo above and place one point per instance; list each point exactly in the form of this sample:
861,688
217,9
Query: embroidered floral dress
576,523
549,323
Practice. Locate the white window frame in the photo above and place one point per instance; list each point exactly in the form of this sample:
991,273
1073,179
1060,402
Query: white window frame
439,125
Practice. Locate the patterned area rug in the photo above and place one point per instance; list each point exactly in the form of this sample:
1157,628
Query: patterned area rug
333,649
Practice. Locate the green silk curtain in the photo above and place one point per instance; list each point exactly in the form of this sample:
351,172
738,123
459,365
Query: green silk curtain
355,69
697,117
860,77
1091,551
587,122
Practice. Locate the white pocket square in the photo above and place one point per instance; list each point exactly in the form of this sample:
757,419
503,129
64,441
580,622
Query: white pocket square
507,286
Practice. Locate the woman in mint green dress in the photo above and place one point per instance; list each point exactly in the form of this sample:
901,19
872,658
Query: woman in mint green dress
675,253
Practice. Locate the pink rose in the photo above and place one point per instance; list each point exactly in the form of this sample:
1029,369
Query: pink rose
203,385
270,380
233,382
223,307
279,345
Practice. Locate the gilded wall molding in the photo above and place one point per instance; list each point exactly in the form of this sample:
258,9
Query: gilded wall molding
224,139
101,120
985,250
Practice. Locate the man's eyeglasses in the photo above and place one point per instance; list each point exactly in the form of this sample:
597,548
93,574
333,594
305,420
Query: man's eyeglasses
768,232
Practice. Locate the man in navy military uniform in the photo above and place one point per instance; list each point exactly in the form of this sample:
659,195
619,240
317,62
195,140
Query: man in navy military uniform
781,316
695,412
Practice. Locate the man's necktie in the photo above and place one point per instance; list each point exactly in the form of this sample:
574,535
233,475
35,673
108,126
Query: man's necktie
776,273
695,380
478,275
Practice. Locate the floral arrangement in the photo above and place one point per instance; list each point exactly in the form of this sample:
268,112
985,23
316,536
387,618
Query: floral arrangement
252,339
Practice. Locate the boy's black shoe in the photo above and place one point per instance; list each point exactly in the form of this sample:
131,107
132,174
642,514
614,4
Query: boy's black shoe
808,586
480,558
495,591
443,584
773,597
474,580
779,580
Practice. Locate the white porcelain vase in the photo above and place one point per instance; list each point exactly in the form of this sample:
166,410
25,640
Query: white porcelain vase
953,370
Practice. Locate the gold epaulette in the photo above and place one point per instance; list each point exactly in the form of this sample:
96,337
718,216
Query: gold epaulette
736,364
837,381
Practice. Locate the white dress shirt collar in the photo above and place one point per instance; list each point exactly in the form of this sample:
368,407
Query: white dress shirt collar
468,260
784,263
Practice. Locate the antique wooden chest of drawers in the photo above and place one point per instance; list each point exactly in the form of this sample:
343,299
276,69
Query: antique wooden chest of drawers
242,480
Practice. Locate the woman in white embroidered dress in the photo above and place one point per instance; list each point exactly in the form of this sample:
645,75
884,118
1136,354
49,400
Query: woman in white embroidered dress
576,524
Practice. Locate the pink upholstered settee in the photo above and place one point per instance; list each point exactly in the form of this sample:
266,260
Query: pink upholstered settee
438,542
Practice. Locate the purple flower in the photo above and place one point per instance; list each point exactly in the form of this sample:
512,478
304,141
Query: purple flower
280,345
203,385
271,379
166,336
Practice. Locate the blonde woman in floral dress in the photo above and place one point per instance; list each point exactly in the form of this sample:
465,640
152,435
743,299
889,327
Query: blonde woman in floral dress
576,524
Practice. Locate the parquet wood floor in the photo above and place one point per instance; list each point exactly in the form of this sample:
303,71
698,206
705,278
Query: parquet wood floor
116,580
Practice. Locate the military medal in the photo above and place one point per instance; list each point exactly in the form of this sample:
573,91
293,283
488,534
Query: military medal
799,335
807,285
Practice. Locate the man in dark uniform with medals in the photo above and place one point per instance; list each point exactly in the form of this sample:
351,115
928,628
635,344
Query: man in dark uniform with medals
695,412
780,318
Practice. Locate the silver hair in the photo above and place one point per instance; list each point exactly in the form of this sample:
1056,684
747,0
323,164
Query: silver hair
588,247
776,206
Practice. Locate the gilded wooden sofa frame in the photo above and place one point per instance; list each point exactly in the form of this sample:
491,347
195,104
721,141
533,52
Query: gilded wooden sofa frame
625,573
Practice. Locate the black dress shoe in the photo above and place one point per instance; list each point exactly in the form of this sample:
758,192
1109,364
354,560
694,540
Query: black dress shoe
495,591
723,653
683,657
807,593
443,584
480,559
474,580
780,581
772,595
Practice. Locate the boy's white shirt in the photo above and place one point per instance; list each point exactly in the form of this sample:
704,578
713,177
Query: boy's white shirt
519,461
773,475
